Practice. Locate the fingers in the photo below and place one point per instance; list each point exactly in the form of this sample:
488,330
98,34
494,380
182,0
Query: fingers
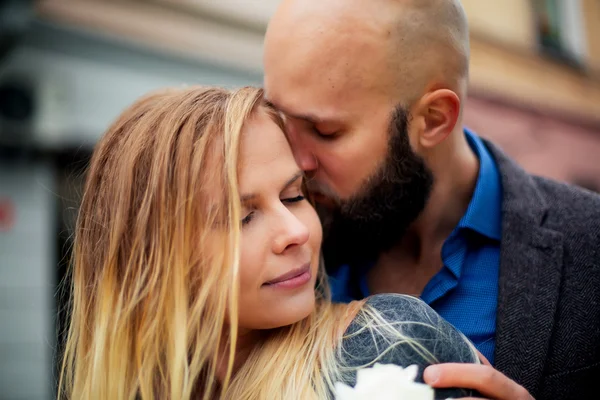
482,378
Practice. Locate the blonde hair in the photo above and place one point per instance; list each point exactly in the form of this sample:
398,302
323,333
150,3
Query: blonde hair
151,297
155,266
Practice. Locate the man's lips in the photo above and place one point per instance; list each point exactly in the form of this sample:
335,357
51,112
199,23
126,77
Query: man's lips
292,279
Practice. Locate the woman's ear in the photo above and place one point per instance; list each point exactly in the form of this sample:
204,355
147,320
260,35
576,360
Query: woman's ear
439,112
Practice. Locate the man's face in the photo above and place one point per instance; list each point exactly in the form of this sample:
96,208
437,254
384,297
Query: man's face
359,162
336,105
348,135
338,141
374,219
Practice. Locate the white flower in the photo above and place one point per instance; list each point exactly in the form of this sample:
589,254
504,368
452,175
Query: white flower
385,382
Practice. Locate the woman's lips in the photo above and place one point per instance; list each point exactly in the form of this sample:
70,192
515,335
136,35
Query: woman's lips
292,279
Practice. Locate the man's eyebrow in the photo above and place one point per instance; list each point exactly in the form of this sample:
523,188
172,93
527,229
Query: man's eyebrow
312,118
288,183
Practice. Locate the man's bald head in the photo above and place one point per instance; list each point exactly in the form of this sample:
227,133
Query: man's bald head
371,91
400,45
431,36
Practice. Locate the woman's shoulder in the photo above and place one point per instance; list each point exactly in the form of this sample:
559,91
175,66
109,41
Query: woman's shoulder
402,308
402,330
393,305
407,322
390,306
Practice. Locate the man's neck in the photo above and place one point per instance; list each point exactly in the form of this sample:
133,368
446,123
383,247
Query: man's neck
416,258
455,181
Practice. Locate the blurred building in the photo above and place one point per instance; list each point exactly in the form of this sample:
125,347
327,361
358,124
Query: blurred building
535,84
68,67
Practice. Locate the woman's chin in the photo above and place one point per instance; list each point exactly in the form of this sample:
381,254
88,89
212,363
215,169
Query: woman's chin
285,312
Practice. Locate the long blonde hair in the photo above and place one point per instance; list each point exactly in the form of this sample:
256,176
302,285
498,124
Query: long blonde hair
151,297
154,276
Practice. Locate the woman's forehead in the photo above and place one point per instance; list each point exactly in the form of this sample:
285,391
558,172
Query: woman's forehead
264,149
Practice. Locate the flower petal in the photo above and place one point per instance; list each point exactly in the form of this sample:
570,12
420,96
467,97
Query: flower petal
344,392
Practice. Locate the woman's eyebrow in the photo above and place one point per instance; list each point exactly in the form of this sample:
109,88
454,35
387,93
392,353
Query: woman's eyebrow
293,179
288,183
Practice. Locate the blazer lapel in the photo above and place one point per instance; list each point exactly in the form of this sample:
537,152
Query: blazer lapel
531,262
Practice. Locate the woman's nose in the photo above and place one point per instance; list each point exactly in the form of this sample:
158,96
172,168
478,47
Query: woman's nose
291,232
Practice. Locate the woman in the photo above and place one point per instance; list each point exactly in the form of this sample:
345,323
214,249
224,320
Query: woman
196,270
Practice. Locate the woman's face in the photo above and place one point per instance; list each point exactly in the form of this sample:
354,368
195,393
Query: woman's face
281,233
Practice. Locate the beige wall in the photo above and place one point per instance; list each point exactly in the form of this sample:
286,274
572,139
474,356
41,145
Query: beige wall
546,114
505,59
177,30
510,22
543,144
592,25
506,62
529,79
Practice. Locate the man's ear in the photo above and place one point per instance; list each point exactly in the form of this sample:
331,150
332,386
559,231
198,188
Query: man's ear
438,112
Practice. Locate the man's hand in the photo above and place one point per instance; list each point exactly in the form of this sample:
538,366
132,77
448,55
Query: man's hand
483,378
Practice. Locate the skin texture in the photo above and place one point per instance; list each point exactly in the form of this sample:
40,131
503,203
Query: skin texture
334,74
490,382
280,233
337,70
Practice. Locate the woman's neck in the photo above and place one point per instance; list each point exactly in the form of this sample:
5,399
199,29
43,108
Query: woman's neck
246,341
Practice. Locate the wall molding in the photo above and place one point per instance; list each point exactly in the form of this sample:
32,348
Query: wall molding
166,29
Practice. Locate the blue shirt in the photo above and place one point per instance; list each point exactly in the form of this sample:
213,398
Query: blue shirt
465,290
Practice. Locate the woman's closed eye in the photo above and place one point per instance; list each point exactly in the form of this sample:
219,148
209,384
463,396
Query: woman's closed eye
292,200
248,218
289,200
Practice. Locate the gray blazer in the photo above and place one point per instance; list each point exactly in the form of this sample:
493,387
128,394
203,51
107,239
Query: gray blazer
548,321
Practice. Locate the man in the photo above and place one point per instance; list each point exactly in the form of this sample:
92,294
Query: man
373,93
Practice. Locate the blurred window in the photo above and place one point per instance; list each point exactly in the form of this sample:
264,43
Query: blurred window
561,30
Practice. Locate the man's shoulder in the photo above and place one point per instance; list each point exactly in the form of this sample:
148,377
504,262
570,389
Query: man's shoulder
565,208
574,213
570,209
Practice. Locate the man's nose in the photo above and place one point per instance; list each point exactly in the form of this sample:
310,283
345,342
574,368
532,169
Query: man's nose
307,161
303,153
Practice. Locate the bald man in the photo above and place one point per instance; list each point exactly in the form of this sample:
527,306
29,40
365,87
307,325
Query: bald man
373,93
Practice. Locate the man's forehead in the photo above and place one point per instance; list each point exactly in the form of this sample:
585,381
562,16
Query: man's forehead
320,87
310,111
327,57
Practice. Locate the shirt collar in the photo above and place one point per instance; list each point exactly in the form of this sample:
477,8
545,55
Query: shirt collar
484,214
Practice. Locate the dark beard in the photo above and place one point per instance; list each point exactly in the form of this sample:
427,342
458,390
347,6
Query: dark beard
370,223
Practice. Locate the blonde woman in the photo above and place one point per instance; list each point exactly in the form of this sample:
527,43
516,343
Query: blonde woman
196,270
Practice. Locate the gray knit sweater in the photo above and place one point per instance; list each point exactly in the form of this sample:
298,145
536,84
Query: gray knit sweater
366,342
